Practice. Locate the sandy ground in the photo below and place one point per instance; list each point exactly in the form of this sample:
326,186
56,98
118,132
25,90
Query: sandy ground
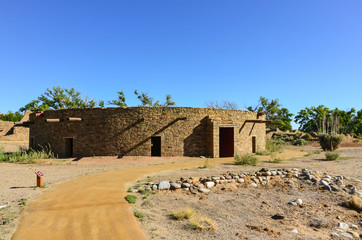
66,209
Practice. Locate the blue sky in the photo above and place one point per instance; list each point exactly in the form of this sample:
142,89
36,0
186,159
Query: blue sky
304,53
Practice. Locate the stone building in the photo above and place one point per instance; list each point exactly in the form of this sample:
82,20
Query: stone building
148,131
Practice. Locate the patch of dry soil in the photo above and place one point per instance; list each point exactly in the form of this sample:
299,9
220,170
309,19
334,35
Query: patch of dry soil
244,212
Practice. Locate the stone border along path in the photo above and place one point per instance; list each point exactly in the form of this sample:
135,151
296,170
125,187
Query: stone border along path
93,207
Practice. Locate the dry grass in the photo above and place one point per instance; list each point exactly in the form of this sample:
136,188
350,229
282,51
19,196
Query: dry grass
185,213
195,222
202,223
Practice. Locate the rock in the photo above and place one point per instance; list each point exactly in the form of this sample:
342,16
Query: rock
334,188
255,180
334,234
236,177
241,180
215,178
193,190
347,235
293,203
174,186
324,183
222,178
343,225
185,185
4,222
353,226
295,231
295,175
299,201
209,184
204,190
354,234
263,183
277,216
290,182
254,184
164,185
327,187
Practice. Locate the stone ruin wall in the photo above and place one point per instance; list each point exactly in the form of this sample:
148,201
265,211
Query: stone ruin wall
128,131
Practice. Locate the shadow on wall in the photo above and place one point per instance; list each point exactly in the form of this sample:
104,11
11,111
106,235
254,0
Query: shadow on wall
126,151
195,145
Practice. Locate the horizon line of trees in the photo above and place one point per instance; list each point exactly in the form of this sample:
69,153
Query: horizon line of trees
310,119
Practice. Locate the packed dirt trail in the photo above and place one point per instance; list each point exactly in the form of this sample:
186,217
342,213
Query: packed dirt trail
93,207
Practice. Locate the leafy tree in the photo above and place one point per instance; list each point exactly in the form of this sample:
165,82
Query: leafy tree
274,112
148,101
121,101
223,105
59,98
12,117
310,119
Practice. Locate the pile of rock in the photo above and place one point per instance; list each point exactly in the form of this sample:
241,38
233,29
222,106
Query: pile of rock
261,178
346,231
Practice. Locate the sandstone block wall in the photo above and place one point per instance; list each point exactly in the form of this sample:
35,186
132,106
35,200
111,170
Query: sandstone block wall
128,131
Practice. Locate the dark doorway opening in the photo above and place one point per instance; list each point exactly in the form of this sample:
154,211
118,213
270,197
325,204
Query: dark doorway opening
253,141
68,147
156,146
226,142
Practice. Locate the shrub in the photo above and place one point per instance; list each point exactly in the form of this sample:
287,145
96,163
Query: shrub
307,136
26,156
300,142
330,142
262,153
356,140
246,159
138,214
331,155
131,199
274,146
207,164
185,213
142,191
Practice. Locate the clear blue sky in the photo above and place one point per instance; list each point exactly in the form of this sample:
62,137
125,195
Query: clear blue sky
304,53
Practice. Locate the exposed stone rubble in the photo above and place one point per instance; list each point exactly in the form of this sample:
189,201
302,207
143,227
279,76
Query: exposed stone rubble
261,178
265,178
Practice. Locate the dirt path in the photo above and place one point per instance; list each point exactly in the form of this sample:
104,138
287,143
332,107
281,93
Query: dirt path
93,207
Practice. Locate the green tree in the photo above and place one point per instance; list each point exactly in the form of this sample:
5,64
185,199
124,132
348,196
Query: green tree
148,101
120,102
12,117
59,98
274,112
310,119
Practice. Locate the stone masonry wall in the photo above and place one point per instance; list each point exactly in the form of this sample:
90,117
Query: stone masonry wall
128,131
